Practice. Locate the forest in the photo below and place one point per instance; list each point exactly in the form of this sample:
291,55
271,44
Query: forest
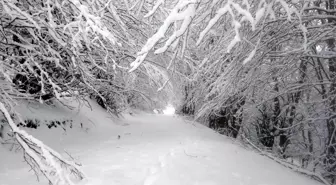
260,71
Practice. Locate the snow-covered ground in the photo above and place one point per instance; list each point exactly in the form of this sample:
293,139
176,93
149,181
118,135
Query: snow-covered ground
146,149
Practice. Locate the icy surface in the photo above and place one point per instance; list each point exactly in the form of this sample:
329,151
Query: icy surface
147,149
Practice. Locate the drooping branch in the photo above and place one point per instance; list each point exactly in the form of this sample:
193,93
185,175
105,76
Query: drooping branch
50,163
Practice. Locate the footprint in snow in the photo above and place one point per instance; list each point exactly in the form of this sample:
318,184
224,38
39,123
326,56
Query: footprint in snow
155,171
152,176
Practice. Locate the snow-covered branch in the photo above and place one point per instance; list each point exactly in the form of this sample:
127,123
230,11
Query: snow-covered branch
184,11
51,164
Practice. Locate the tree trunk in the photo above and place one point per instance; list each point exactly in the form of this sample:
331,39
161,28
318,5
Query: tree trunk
331,148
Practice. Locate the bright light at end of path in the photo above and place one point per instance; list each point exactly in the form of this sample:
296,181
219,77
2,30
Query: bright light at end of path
170,110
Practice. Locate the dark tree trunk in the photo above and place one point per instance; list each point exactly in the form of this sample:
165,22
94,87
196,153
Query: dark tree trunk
276,113
331,148
188,108
229,119
264,131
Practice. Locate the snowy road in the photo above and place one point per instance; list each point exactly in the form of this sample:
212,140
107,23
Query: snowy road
169,151
157,150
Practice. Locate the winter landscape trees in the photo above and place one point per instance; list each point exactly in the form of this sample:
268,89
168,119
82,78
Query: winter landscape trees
52,49
263,71
260,71
275,87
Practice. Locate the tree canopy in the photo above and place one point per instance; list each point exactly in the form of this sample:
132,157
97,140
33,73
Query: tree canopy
260,71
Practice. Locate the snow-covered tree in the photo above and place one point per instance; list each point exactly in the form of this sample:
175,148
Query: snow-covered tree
55,48
259,70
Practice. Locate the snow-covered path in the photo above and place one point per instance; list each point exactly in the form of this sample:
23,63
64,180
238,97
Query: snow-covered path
159,150
169,151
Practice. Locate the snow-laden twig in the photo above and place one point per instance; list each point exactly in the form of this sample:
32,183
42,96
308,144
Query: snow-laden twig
163,86
156,6
178,13
24,14
93,22
185,11
293,167
44,158
250,56
213,21
239,13
188,15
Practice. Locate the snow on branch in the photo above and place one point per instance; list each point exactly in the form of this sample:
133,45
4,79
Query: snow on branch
22,13
184,10
291,166
214,20
231,7
91,21
55,37
156,6
188,14
42,158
